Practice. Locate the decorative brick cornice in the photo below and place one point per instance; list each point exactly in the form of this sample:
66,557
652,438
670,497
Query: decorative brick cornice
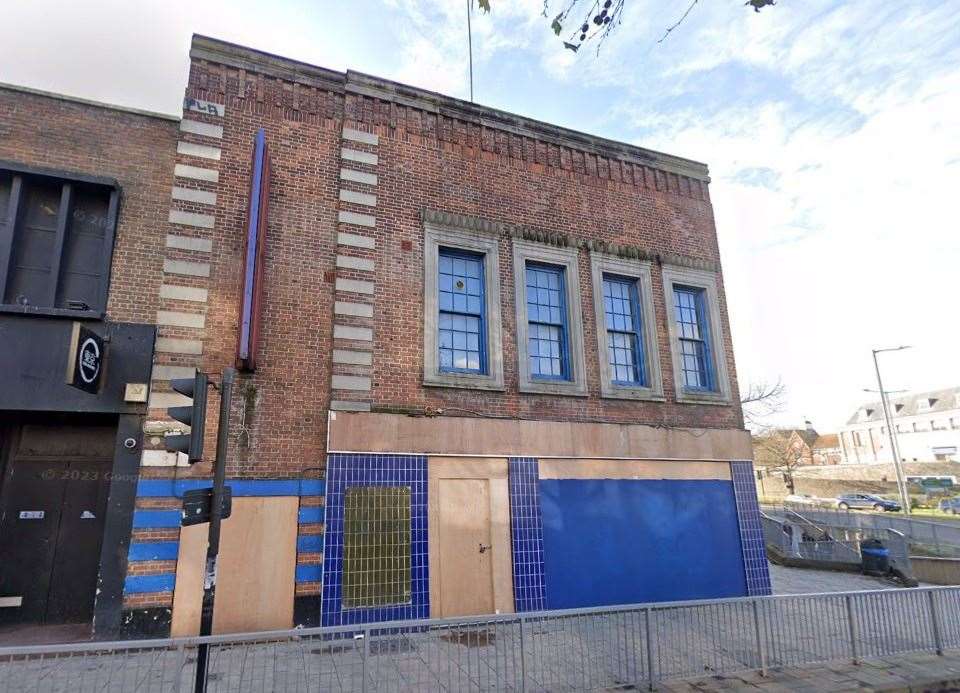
360,85
527,233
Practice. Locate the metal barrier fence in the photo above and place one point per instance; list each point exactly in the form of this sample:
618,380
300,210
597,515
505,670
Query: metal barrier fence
944,534
587,649
796,535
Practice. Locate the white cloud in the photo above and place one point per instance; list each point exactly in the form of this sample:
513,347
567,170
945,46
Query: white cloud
832,131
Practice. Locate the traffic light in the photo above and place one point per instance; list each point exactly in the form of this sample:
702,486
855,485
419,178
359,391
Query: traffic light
194,416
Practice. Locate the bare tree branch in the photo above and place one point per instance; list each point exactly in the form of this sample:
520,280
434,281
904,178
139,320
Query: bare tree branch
761,401
678,22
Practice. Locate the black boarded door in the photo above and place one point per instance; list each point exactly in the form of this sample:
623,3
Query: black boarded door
50,536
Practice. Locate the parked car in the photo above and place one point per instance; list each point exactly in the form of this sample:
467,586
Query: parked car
950,505
865,501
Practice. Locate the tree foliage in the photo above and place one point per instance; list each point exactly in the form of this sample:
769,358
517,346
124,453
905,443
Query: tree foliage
582,21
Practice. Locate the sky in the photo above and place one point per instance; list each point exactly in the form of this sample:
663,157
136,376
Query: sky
831,128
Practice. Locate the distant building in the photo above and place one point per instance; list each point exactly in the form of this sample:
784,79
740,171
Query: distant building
927,426
794,447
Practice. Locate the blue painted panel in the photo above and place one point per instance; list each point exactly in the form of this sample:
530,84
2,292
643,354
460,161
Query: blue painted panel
163,488
144,519
153,551
135,584
308,573
628,541
310,543
312,513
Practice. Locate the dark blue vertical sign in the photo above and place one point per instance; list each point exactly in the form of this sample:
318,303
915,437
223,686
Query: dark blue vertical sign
253,255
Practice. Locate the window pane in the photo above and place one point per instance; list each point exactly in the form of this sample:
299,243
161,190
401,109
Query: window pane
34,240
460,330
376,546
545,343
622,316
81,270
694,365
546,326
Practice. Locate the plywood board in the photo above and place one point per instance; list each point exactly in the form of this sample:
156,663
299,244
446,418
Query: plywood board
492,473
449,435
466,568
632,469
188,589
256,570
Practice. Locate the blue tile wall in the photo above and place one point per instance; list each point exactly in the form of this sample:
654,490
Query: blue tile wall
751,532
343,472
526,531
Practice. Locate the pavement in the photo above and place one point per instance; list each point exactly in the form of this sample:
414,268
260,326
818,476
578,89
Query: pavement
805,581
911,672
606,651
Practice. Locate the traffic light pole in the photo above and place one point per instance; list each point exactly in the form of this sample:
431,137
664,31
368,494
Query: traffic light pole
213,540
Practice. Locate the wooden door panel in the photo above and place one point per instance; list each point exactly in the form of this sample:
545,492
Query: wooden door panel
466,566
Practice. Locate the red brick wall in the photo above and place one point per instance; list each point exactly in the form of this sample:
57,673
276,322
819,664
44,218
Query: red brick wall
426,162
587,198
137,150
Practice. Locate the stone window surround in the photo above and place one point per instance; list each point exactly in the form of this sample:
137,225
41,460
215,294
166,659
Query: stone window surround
707,281
640,272
435,236
568,259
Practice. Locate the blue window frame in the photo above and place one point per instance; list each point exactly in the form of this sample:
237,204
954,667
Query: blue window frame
547,322
461,328
694,335
621,305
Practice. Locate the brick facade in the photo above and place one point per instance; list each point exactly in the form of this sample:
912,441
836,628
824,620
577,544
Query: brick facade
511,176
357,164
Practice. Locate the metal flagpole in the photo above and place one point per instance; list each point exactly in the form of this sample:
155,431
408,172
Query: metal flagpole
470,44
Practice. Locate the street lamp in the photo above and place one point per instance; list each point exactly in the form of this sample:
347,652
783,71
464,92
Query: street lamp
894,447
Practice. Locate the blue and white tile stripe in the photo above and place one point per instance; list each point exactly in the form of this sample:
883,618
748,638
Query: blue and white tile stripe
168,550
751,533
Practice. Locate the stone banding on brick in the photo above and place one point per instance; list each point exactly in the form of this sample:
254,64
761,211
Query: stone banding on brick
183,293
195,127
163,372
200,245
355,286
352,357
358,334
346,217
201,151
348,174
355,240
350,382
202,197
359,157
360,310
169,345
180,319
200,221
355,263
208,175
340,405
358,198
361,136
189,269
